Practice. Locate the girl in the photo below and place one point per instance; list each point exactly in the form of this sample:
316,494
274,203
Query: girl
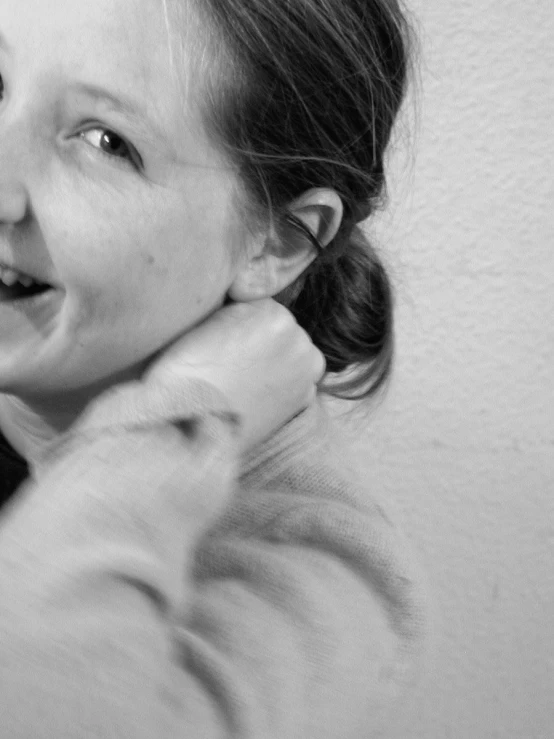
184,549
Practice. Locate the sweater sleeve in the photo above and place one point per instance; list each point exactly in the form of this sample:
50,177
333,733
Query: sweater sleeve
128,610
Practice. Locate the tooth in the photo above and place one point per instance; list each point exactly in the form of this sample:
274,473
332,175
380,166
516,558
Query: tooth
9,277
26,281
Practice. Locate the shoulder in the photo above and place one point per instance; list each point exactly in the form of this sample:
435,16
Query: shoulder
305,488
310,462
303,518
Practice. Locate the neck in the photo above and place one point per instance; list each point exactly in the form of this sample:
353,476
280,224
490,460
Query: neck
31,422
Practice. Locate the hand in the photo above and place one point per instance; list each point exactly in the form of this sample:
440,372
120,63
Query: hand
257,355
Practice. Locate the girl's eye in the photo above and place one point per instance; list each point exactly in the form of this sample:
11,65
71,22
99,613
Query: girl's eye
111,144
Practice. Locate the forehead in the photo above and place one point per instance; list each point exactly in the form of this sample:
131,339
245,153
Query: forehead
89,33
151,49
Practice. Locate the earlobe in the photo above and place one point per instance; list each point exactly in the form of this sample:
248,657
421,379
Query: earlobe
254,281
268,275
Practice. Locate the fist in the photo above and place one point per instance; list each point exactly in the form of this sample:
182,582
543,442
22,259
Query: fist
257,355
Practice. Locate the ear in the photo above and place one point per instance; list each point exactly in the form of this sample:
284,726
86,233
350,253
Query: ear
266,273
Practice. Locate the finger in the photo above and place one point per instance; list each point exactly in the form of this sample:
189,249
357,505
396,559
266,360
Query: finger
320,364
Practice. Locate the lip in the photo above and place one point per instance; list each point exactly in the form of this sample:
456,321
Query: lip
38,311
34,274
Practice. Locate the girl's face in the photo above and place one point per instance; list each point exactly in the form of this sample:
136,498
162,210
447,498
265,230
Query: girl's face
109,190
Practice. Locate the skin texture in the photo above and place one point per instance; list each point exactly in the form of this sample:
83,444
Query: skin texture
138,233
122,243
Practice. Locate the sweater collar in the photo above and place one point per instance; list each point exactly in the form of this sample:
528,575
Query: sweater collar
266,459
291,440
13,470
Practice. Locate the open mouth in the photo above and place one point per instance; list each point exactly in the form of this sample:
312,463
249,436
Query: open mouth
19,287
21,292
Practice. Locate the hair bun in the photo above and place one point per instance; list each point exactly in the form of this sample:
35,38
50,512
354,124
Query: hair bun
362,210
353,325
306,95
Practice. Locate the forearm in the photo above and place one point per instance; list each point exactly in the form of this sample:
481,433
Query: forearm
95,557
140,596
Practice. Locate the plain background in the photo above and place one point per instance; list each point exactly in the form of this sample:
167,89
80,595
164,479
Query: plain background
463,446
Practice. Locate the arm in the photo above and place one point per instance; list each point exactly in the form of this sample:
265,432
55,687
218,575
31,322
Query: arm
130,606
95,564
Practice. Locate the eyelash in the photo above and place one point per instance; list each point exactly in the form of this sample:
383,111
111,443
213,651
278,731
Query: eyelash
132,156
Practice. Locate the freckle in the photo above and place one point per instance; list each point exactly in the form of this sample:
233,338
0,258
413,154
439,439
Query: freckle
150,259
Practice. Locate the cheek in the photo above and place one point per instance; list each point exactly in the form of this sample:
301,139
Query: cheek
184,257
103,263
141,287
144,268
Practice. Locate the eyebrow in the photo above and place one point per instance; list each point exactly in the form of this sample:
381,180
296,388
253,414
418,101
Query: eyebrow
122,103
118,102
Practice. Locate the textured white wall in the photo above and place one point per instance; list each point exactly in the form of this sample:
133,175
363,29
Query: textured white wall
463,447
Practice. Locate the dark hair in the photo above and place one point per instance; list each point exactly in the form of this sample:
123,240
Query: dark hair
305,94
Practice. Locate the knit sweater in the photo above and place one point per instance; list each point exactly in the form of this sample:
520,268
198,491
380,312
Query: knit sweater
155,585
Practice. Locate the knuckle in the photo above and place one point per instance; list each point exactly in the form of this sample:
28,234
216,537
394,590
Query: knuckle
280,310
286,318
285,325
321,364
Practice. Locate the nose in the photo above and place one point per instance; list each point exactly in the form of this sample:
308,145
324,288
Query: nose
14,198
